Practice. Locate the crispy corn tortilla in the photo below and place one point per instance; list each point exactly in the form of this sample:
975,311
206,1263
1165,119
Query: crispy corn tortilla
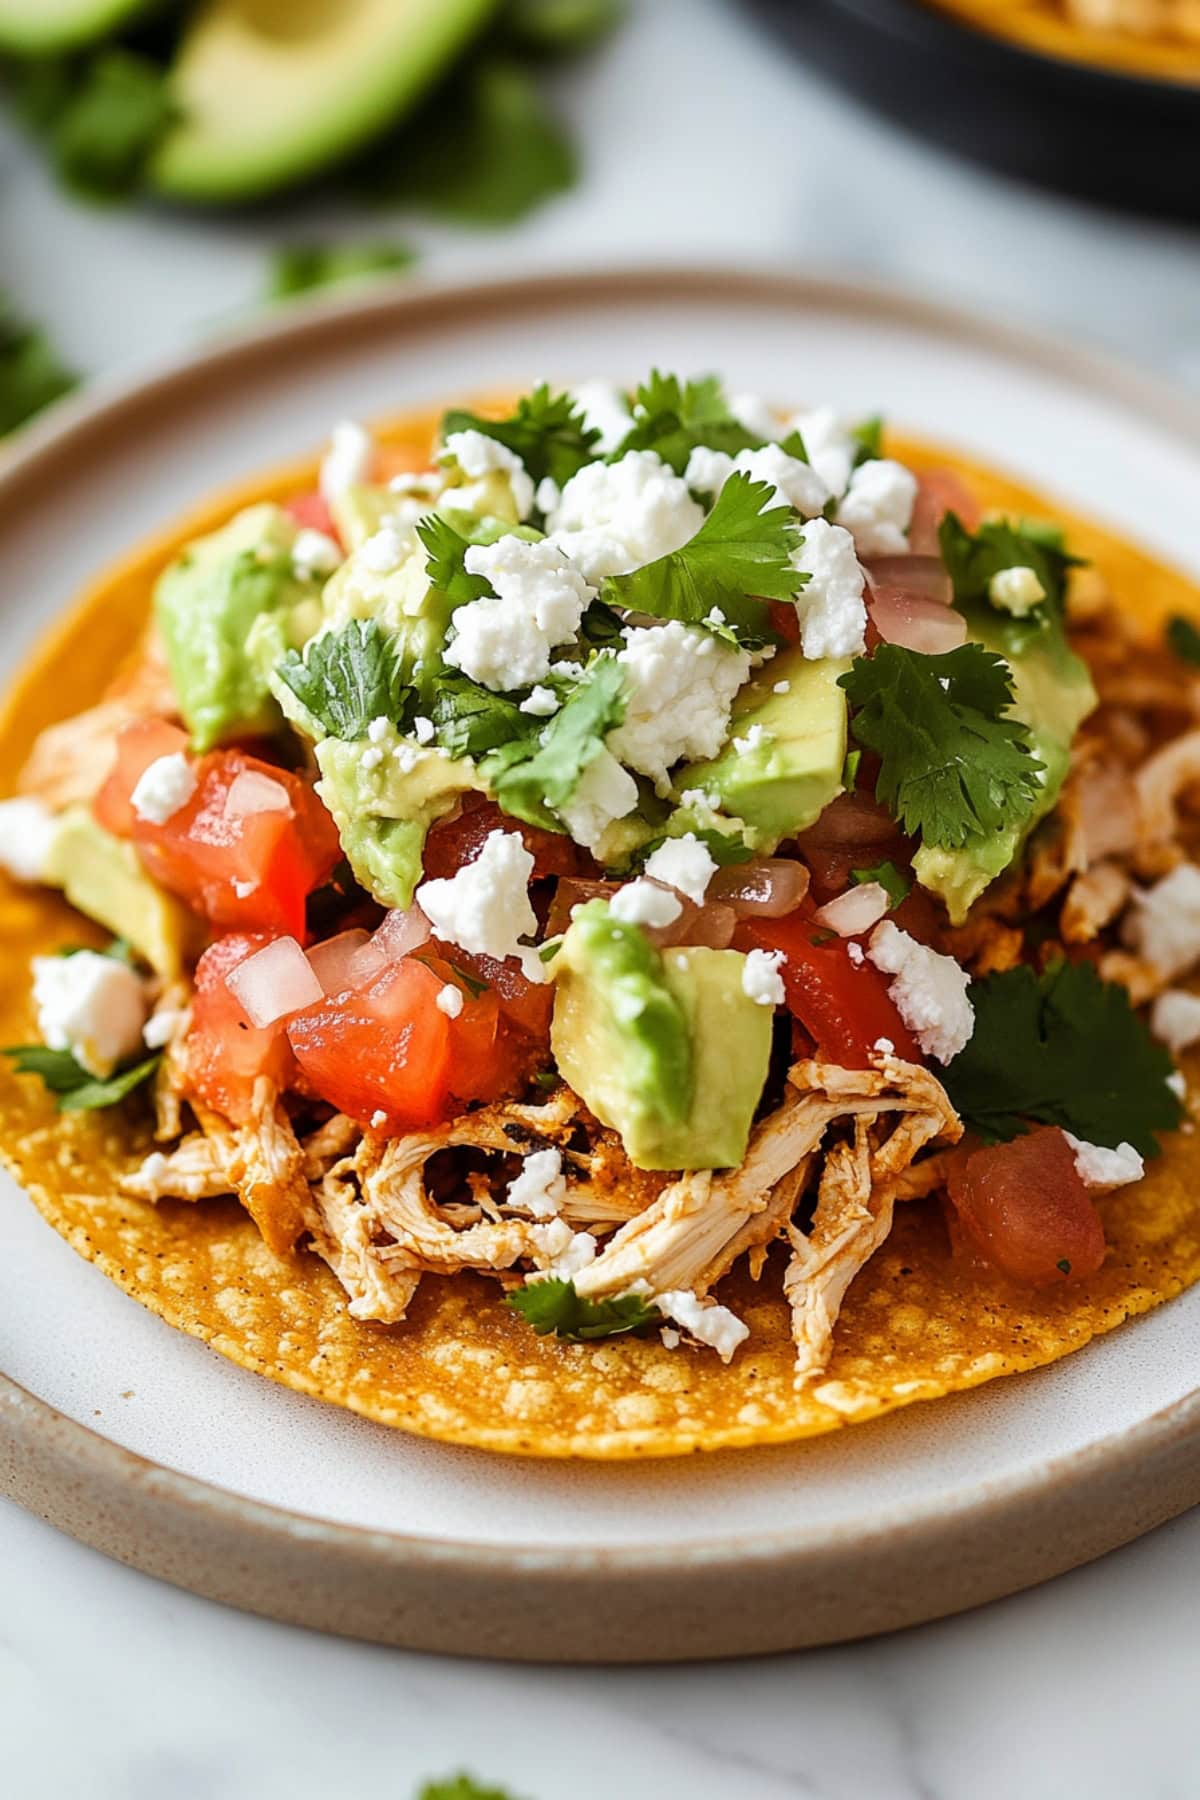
464,1368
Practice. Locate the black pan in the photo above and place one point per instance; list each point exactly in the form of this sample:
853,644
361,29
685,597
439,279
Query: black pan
1125,140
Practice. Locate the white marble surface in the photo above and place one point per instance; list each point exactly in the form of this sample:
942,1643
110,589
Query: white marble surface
704,142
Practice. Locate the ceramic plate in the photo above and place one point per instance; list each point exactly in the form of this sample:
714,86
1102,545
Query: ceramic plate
140,1441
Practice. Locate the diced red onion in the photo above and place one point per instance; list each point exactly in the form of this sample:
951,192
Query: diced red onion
664,937
274,983
571,892
850,819
402,932
916,623
713,927
768,888
251,792
854,912
924,577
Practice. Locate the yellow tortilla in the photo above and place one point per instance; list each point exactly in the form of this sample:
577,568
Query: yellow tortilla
464,1368
1046,28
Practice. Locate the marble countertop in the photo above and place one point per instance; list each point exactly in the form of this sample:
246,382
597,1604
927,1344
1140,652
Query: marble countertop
702,141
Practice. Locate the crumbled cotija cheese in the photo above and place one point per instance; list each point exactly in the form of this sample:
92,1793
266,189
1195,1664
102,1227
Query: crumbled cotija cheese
167,784
347,462
92,1005
877,507
1163,924
761,979
485,907
1175,1019
614,517
929,989
680,685
506,642
479,456
604,793
685,864
27,834
1098,1167
704,1320
541,1187
833,612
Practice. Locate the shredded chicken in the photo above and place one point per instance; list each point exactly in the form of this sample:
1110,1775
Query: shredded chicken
264,1165
1093,901
194,1170
69,761
340,1227
1163,780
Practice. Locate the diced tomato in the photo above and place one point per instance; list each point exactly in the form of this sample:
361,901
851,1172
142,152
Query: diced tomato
940,491
139,744
311,512
524,1003
844,1006
1027,1209
226,1054
243,869
384,1048
453,843
853,832
785,621
485,1059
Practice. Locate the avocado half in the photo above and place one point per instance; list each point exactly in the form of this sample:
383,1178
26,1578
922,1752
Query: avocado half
44,27
270,91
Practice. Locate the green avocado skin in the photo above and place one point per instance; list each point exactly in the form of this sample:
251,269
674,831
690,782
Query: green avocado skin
205,604
664,1048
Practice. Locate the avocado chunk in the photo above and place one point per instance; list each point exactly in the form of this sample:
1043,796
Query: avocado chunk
102,876
270,93
664,1047
46,27
1052,694
383,809
206,603
414,614
792,769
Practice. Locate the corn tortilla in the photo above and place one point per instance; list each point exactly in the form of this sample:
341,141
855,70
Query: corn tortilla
464,1368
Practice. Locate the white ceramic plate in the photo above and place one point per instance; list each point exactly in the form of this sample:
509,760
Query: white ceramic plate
313,1514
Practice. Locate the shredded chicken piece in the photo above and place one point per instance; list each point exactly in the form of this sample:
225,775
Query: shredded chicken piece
170,1081
340,1229
194,1170
265,1165
1093,901
329,1144
1143,979
1161,783
984,944
70,761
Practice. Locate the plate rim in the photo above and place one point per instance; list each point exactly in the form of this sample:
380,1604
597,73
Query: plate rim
1163,1449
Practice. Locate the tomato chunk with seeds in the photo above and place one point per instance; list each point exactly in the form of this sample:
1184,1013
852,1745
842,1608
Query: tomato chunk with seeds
247,849
1027,1209
226,1054
139,744
311,513
844,1006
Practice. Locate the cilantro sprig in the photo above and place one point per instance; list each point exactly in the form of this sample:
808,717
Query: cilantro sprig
973,558
462,1787
953,768
1064,1048
445,561
470,720
1183,639
554,1306
534,777
76,1089
672,418
547,432
894,882
347,678
739,558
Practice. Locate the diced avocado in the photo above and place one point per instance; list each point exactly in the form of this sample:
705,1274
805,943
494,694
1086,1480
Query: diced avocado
1052,694
206,604
792,769
416,615
664,1047
384,809
103,877
47,27
270,93
359,512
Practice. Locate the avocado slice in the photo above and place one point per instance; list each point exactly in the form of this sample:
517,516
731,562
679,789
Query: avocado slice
206,604
1052,694
273,91
383,807
103,877
663,1047
786,780
46,27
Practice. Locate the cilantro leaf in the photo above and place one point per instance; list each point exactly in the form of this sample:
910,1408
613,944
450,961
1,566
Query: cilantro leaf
1067,1049
672,417
485,150
103,133
868,440
347,678
742,551
1183,639
972,558
299,268
462,1787
31,375
894,882
952,767
547,432
554,1306
446,551
76,1088
471,720
536,777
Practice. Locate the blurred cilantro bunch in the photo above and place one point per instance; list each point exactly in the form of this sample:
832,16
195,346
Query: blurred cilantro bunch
103,86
